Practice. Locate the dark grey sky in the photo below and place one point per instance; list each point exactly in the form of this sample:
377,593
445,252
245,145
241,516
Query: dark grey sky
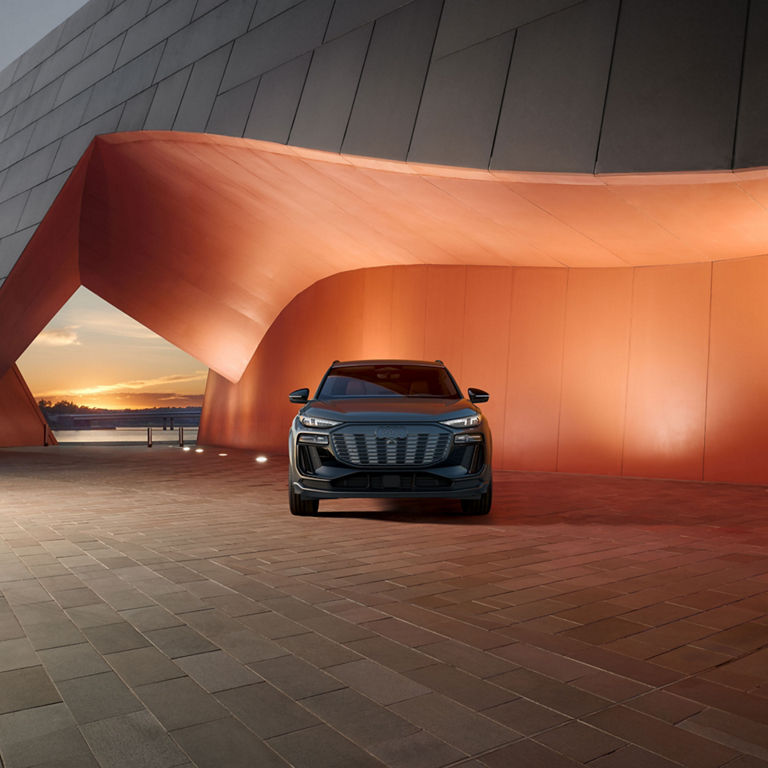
24,22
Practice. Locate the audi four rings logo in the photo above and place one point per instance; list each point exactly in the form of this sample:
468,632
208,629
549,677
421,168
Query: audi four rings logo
391,434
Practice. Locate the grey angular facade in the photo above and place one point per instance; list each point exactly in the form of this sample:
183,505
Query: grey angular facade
543,85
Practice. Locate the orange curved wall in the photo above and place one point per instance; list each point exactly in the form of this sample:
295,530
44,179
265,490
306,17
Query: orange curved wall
21,422
652,371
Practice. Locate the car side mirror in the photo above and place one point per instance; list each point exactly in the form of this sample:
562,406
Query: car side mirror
299,395
477,395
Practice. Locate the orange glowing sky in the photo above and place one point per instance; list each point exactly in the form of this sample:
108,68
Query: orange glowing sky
94,355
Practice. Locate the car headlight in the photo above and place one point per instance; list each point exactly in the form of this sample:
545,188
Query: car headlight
317,422
464,421
313,438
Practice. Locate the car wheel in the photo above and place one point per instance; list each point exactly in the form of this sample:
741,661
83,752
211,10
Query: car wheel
299,506
481,506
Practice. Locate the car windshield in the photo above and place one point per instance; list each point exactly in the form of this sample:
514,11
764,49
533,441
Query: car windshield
388,381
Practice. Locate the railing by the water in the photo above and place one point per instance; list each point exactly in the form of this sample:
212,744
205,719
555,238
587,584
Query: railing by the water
139,435
149,435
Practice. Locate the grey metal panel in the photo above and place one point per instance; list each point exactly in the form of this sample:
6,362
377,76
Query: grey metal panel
7,73
10,213
348,14
326,102
124,83
751,136
268,9
154,28
281,39
40,200
11,248
203,6
40,51
201,91
74,144
168,96
89,71
135,111
59,122
277,99
64,59
125,15
15,147
222,25
673,92
460,107
155,4
29,172
83,18
5,124
37,105
16,93
466,23
553,105
230,110
387,100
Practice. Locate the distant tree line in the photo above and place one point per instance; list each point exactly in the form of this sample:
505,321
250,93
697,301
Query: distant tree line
67,406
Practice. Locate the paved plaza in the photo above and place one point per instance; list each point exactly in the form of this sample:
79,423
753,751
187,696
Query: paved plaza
162,608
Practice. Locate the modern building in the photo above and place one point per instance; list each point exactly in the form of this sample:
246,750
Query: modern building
564,200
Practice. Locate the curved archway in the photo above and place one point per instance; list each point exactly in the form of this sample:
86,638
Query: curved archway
205,239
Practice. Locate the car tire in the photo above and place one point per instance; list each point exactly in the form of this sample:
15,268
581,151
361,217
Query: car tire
302,507
481,506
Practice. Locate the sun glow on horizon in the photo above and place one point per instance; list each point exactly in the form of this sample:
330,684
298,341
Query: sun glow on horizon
94,355
138,385
120,402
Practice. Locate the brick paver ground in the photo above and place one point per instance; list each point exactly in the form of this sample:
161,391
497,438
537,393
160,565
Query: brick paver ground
162,608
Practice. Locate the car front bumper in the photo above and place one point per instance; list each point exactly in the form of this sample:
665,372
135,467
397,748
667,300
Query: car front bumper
437,482
355,461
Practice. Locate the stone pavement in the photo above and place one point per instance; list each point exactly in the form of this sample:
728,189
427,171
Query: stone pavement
162,608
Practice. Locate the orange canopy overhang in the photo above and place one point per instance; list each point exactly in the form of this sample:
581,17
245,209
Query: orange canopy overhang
204,239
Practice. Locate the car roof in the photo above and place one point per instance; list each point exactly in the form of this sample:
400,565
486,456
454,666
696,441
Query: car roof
350,363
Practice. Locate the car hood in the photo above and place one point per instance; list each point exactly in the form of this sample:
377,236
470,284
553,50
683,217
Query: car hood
389,409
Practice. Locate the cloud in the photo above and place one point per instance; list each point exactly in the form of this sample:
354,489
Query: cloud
136,386
59,337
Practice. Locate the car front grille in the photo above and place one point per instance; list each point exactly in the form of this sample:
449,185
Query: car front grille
369,449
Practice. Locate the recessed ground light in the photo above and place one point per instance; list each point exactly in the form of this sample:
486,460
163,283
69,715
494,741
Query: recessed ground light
261,459
198,450
223,454
186,448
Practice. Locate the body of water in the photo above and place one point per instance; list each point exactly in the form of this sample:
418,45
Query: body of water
124,435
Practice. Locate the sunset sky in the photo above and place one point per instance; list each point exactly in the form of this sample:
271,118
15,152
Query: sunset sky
94,355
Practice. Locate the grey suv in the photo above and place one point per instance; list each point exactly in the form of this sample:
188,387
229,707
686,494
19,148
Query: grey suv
389,428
